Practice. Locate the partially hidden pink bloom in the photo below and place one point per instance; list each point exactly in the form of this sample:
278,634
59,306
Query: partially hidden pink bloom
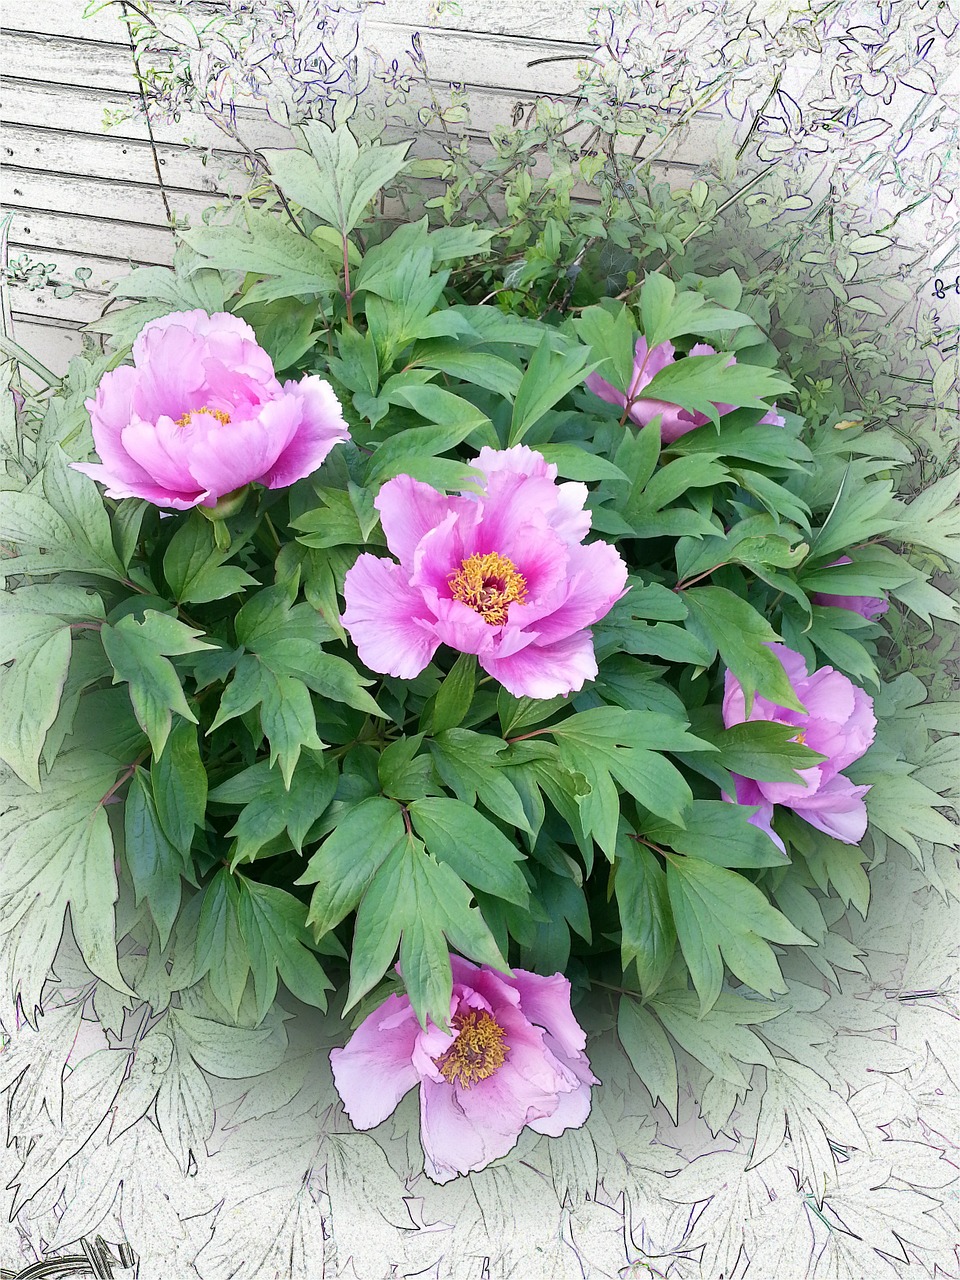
838,723
674,421
505,576
867,606
200,414
514,1059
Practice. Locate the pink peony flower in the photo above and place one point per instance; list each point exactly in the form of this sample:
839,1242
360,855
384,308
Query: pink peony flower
674,421
505,576
867,606
200,414
838,723
514,1059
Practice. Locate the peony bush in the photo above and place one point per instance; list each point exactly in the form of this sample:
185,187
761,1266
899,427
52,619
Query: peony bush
370,643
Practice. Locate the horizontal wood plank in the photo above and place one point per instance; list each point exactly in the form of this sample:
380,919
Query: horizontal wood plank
459,57
54,345
44,233
533,19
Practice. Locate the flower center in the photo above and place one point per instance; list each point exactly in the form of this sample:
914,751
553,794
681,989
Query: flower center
489,584
219,414
800,737
476,1053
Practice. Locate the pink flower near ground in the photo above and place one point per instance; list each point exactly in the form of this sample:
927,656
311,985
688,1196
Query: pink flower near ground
200,414
674,421
514,1059
867,606
504,576
838,723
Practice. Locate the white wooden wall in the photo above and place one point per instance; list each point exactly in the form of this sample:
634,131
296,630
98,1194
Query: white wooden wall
83,196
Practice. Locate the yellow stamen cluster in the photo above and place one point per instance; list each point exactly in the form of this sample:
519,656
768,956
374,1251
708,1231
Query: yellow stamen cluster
219,414
800,737
477,1051
489,584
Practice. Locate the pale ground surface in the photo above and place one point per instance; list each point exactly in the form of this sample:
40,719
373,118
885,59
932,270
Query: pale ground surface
287,1190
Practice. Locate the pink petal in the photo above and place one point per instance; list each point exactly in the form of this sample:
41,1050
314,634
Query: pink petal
453,1143
321,427
374,1070
441,551
226,456
550,672
519,460
162,451
119,488
749,793
546,1001
837,809
388,620
459,626
605,390
408,510
596,579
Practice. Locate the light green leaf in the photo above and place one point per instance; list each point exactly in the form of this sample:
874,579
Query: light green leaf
138,653
650,1052
478,851
550,375
267,246
648,933
718,833
272,924
454,696
720,916
57,851
194,567
335,177
273,808
344,865
742,635
154,862
721,1039
179,782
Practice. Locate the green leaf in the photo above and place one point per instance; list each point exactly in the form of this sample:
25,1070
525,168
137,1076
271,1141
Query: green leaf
272,808
720,916
719,833
286,712
650,1052
454,696
573,462
155,863
931,519
403,774
194,567
423,905
478,851
138,652
762,749
335,177
77,499
35,651
272,925
611,336
588,744
221,951
470,765
699,383
344,865
478,367
830,861
521,713
57,851
648,935
721,1039
180,786
741,635
550,375
667,314
294,264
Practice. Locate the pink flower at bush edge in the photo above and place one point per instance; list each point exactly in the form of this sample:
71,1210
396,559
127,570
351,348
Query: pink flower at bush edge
514,1059
504,576
200,414
838,723
674,421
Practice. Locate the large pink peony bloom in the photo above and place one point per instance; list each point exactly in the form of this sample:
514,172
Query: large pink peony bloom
674,421
838,723
867,606
505,576
200,414
515,1058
